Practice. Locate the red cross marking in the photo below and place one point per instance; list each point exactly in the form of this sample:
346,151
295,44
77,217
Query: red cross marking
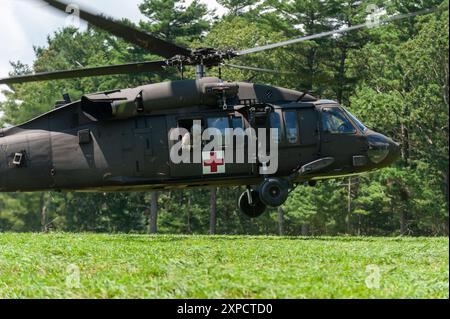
214,163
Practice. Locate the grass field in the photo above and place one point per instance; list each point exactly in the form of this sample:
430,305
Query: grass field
135,266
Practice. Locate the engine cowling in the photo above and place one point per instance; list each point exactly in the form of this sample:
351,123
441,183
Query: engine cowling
208,92
128,103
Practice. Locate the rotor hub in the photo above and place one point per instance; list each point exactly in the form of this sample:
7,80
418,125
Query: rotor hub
203,56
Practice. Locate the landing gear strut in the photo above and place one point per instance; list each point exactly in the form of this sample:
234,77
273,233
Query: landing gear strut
250,204
273,192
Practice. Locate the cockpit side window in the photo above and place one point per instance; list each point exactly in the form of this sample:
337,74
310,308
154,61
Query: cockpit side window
291,125
335,122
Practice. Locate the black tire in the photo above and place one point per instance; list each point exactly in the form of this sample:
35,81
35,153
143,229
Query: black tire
256,209
274,192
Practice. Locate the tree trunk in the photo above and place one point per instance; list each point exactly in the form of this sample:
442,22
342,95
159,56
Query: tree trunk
189,227
43,213
349,206
405,153
280,221
446,181
310,63
403,223
359,225
446,227
213,216
341,76
305,230
153,220
405,143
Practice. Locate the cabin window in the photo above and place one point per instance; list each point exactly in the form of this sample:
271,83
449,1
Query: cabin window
237,122
190,125
220,123
291,125
335,122
275,123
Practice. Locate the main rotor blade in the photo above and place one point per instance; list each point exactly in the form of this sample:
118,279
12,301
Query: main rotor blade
80,73
129,34
330,33
251,68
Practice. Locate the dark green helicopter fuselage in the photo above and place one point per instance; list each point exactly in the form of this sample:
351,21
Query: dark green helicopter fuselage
119,141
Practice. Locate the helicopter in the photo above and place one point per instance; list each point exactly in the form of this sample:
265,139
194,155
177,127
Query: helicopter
120,140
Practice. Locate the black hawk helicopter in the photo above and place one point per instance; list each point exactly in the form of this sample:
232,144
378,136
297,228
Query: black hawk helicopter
119,140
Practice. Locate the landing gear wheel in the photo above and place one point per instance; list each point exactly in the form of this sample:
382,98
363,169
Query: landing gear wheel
274,192
253,210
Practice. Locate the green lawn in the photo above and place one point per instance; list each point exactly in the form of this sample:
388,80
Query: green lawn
138,266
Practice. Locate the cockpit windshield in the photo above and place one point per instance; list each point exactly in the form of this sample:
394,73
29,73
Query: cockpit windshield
358,123
335,122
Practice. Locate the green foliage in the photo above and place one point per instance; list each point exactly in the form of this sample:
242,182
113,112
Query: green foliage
240,34
173,20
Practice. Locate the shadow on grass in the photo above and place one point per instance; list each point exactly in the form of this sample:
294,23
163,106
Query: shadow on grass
164,238
168,238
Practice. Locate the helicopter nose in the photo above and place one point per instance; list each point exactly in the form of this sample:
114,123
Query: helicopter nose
394,151
382,150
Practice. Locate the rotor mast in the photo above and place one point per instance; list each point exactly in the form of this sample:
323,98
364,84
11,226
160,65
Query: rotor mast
200,71
208,57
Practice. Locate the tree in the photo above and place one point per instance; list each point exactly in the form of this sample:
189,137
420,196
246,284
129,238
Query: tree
407,82
280,221
394,78
153,220
213,207
172,20
237,7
